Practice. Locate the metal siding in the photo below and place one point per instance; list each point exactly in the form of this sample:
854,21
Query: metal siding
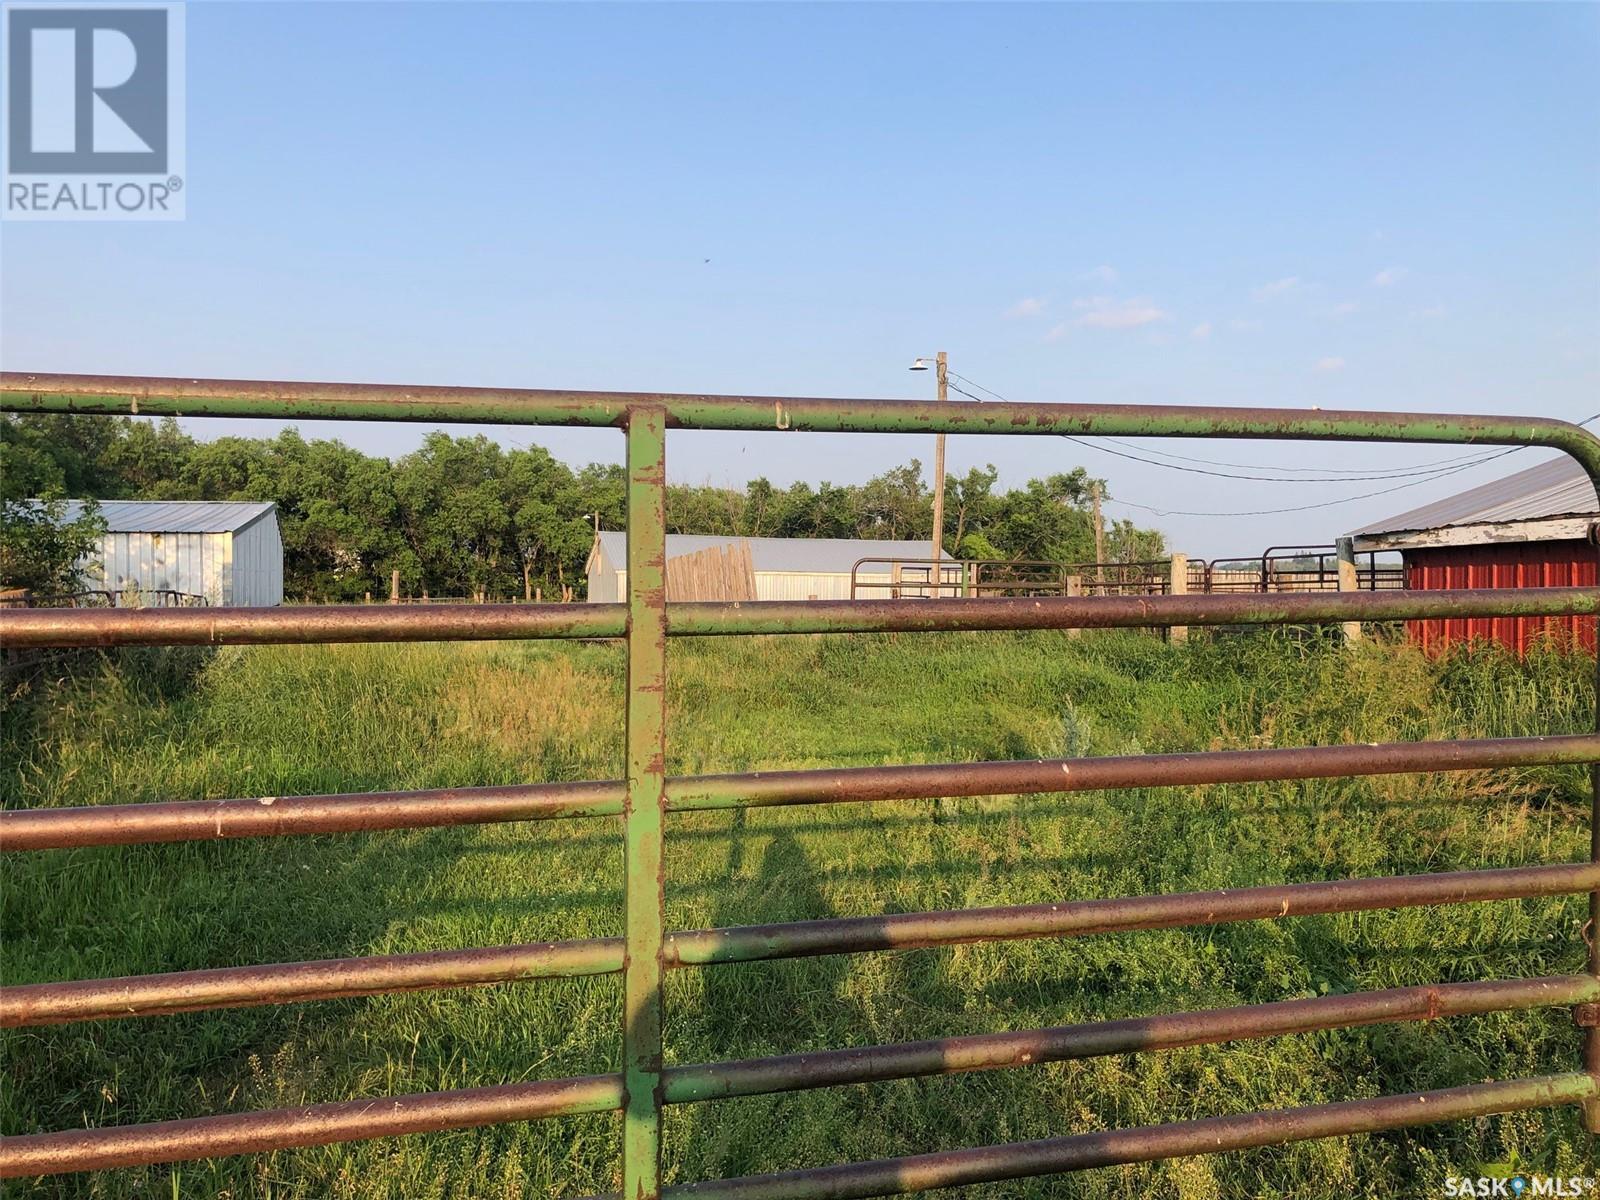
253,575
1570,563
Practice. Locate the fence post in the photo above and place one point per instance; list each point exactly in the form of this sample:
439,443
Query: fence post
1349,581
394,587
1072,585
1179,586
645,807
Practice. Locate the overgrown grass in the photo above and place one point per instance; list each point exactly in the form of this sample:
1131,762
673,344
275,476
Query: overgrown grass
284,721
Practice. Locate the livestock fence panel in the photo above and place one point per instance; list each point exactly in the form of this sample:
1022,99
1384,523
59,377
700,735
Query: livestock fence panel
644,950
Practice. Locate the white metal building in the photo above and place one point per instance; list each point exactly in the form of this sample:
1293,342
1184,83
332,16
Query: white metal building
785,568
228,551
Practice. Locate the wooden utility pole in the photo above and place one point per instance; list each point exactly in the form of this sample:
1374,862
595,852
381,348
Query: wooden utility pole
1099,537
937,575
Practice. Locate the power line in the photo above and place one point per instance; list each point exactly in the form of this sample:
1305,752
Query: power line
1426,475
1360,476
1433,472
1430,473
1269,512
1394,472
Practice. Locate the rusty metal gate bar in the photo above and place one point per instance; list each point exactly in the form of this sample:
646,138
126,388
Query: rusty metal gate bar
644,1086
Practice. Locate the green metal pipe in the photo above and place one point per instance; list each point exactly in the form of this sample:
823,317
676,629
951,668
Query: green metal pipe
121,395
644,818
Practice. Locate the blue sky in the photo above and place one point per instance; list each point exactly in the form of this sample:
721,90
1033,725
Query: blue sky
1367,206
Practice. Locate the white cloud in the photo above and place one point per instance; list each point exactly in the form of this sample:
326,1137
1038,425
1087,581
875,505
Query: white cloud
1277,287
1389,276
1201,331
1331,363
1432,312
1240,325
1103,312
1101,274
1345,309
1028,306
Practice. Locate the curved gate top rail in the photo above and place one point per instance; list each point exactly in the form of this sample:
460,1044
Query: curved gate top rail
645,950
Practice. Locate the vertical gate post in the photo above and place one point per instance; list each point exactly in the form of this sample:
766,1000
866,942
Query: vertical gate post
1072,585
1178,585
1349,581
643,815
1591,1034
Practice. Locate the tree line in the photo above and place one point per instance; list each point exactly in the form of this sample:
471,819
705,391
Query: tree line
465,515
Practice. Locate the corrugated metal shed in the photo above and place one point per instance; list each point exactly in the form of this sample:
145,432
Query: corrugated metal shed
228,551
825,556
785,568
1551,489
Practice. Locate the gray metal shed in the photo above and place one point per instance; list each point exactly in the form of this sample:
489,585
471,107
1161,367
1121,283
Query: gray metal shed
228,551
785,568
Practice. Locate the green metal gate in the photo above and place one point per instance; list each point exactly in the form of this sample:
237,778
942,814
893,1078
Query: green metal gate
647,795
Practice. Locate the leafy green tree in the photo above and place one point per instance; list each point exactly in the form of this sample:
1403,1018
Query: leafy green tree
42,551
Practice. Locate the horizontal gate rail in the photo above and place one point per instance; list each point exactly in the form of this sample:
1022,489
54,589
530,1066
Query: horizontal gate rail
1080,1152
278,816
318,1124
645,798
233,987
111,395
87,628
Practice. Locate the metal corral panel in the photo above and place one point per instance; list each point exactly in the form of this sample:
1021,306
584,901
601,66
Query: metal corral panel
1515,565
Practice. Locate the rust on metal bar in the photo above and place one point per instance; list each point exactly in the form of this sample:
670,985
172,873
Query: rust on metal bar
279,816
305,624
306,1125
753,789
34,628
1117,612
1080,1152
319,1124
191,991
265,816
22,391
285,983
906,931
1168,1031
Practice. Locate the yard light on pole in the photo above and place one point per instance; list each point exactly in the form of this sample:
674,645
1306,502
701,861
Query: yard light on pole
936,576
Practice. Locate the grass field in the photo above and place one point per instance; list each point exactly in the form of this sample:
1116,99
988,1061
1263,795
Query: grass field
301,720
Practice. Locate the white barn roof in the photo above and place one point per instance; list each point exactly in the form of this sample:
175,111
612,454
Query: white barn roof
814,556
176,516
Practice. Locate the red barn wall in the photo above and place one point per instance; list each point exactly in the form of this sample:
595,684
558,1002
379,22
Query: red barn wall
1509,565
